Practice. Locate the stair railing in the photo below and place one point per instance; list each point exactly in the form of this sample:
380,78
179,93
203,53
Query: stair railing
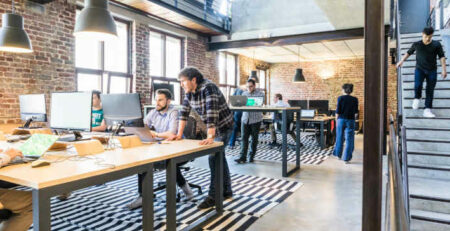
396,212
404,163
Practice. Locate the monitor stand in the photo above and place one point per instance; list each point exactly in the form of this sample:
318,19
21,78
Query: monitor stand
77,137
27,125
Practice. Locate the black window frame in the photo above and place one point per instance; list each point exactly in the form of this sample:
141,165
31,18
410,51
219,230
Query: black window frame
229,87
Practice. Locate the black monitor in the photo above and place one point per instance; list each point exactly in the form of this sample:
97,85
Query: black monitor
299,103
32,108
71,111
322,106
157,86
122,109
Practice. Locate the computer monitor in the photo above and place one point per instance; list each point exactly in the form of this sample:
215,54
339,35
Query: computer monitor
157,86
299,103
71,111
255,101
320,105
32,108
124,109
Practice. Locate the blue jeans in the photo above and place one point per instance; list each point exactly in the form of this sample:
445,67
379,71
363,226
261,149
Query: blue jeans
224,137
345,128
236,129
431,77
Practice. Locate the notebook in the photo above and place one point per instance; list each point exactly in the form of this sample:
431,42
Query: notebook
37,145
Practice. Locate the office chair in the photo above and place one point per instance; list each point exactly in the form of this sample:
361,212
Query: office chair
188,133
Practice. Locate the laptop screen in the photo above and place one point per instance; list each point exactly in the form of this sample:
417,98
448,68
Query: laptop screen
308,113
255,101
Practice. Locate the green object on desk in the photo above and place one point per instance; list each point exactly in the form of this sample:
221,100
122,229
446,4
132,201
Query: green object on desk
37,145
250,102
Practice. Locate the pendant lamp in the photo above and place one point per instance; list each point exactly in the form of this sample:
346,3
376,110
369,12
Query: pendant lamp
95,21
298,77
13,37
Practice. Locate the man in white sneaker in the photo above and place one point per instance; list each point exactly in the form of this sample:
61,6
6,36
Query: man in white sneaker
426,68
164,119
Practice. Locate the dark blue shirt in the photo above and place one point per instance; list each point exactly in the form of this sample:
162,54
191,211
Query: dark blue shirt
347,107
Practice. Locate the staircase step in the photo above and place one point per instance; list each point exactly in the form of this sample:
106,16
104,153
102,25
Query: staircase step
438,122
429,221
411,70
411,80
419,34
429,194
437,103
426,144
439,84
418,133
426,160
408,111
438,172
410,76
438,93
410,40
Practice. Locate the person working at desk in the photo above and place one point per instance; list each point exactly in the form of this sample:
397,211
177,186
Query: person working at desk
207,100
347,107
250,124
18,202
164,120
237,121
98,122
278,102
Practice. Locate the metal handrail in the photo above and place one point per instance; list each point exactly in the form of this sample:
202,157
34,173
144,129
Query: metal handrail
396,211
431,19
405,169
399,70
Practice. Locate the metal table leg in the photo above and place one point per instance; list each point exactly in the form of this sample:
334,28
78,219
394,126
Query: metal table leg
322,137
219,181
284,144
171,220
41,210
297,140
147,200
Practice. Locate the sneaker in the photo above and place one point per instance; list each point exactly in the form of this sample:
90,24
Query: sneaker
64,196
415,104
207,203
428,114
347,162
227,195
135,204
187,192
240,161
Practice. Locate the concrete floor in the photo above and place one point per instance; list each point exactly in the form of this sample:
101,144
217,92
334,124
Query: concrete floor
330,198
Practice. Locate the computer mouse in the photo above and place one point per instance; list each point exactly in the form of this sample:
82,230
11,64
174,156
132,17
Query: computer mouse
39,163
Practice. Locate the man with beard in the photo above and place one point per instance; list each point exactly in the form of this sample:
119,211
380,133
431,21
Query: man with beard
163,120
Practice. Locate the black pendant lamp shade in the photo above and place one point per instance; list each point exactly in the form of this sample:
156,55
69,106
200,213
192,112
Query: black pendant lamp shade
299,76
13,37
254,76
95,21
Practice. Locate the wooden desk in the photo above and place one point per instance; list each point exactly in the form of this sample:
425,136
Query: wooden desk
68,175
321,120
283,111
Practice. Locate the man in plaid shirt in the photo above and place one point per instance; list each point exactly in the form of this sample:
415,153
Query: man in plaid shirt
207,100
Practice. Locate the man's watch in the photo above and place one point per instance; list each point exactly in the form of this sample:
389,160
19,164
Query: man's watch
210,136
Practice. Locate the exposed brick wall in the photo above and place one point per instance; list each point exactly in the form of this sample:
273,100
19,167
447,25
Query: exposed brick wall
50,68
337,72
246,65
198,56
141,61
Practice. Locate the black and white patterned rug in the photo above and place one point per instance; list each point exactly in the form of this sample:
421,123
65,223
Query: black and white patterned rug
104,207
310,153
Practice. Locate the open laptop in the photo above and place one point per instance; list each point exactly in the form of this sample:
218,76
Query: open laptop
37,145
308,113
238,100
143,133
255,101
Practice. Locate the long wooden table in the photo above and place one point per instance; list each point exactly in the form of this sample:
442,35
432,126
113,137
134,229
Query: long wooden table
321,120
68,175
283,111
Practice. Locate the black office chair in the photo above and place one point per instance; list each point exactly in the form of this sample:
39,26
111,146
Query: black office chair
188,133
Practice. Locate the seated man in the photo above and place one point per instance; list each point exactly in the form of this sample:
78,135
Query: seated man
278,102
98,122
164,120
18,202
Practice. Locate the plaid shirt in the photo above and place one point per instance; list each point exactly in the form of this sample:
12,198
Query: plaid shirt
209,102
252,117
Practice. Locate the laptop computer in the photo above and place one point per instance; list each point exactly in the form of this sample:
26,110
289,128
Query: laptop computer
143,133
37,145
238,100
255,101
308,113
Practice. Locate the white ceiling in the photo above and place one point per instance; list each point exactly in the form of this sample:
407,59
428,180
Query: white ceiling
329,50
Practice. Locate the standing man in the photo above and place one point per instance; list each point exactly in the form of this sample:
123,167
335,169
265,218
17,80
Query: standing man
208,101
164,120
250,124
426,68
237,121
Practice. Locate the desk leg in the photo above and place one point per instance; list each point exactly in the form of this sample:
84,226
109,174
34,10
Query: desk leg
322,137
41,210
284,144
171,197
297,140
219,181
147,200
